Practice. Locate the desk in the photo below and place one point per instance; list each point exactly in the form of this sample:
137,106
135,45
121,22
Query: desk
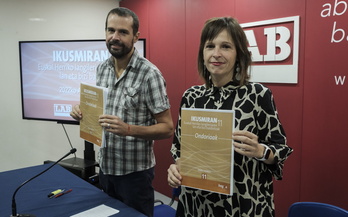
32,197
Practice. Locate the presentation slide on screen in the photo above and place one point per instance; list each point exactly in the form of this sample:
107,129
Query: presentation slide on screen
51,74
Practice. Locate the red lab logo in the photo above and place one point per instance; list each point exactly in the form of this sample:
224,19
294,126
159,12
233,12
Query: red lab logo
274,46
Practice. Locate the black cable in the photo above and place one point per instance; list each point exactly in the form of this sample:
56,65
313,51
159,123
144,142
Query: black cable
67,136
14,206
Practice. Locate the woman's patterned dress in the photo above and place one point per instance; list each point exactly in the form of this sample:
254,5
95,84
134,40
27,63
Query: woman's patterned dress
255,112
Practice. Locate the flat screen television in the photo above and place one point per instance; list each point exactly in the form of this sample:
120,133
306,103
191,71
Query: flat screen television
51,73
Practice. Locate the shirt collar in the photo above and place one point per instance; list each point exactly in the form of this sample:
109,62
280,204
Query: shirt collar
132,61
226,89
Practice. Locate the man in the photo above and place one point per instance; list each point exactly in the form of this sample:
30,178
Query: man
137,113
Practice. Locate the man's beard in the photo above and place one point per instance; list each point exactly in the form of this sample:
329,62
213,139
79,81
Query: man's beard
121,52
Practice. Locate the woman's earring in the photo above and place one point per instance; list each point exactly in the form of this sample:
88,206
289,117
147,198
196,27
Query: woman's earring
237,73
237,68
205,71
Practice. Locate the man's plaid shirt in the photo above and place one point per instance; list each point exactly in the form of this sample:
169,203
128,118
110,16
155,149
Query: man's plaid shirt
135,97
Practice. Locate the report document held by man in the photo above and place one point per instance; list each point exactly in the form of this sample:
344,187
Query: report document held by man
92,105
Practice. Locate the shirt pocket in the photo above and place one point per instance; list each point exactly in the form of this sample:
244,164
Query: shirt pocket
132,98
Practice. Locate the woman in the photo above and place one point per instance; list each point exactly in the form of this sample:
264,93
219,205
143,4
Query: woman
259,138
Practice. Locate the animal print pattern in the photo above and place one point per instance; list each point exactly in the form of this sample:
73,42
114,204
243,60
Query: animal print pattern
255,111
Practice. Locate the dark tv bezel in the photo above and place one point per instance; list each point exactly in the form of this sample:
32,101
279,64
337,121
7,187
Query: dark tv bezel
59,121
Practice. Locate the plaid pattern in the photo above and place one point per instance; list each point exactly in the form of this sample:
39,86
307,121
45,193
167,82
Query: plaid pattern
139,93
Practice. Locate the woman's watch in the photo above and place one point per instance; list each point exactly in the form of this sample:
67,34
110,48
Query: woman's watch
266,153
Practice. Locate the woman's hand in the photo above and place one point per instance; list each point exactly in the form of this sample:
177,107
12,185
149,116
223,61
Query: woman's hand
174,177
247,144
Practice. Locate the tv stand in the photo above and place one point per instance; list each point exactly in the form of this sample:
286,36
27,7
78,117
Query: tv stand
84,168
89,153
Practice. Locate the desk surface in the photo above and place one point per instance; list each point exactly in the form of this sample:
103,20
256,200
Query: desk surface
32,197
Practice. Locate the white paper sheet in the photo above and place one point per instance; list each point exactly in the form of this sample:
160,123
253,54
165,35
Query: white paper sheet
99,211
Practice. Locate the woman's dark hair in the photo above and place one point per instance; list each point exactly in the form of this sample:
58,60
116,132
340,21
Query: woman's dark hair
124,12
212,28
